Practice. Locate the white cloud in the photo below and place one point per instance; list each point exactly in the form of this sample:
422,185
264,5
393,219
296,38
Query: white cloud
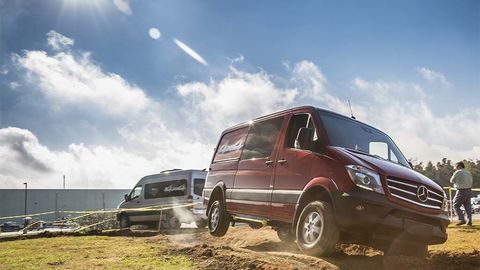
14,85
400,110
4,71
190,52
123,6
58,41
432,76
24,158
238,97
68,79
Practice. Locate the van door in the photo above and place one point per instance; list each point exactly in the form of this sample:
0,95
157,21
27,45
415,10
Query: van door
253,181
134,202
293,168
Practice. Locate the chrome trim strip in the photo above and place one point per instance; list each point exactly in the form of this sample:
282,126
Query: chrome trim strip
414,202
435,200
402,183
439,195
401,190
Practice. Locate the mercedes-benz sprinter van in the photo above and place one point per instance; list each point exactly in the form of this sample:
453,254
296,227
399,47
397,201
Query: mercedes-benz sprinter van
170,189
320,178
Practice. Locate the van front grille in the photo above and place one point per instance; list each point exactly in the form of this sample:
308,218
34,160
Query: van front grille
415,193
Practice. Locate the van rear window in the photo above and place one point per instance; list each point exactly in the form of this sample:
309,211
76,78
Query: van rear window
198,184
231,145
166,189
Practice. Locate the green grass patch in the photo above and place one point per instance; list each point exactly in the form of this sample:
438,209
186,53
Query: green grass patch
88,252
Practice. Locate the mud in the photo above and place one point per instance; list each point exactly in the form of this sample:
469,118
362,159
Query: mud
244,248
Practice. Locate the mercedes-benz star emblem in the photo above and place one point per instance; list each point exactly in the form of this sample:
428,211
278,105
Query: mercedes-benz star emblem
422,193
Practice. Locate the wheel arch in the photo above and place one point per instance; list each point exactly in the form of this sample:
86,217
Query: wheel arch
218,190
320,189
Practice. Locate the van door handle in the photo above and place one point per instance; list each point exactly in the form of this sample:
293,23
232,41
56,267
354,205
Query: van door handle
268,162
282,161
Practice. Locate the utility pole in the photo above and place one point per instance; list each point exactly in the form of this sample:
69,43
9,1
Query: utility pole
64,182
25,212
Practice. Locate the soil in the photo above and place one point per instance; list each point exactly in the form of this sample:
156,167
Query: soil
244,248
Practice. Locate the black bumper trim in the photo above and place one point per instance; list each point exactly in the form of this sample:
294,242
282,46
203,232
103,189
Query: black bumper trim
383,219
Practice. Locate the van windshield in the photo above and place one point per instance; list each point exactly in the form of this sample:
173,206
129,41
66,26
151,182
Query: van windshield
358,137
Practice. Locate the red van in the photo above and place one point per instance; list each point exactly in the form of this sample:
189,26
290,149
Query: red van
321,178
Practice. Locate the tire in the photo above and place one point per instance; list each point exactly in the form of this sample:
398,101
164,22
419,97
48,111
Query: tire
202,223
317,233
124,222
173,223
285,235
218,219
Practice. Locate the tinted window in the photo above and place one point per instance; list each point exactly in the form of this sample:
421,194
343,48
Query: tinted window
261,138
198,185
136,192
298,121
231,145
166,189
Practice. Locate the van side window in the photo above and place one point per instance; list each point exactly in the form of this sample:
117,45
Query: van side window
261,139
300,121
166,189
231,145
198,184
136,192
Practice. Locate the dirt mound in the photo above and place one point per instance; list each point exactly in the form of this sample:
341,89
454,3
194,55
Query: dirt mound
244,248
225,257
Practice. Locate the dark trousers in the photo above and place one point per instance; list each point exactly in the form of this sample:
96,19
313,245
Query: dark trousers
462,197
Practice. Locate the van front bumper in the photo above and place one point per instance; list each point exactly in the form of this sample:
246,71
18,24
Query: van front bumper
371,214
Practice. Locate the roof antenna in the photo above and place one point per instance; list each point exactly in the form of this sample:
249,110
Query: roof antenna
351,112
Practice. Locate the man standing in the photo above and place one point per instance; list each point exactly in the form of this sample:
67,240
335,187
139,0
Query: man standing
462,181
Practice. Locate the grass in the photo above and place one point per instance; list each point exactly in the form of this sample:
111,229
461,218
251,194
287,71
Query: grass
461,239
87,252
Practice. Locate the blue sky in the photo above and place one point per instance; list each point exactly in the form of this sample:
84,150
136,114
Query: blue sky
412,68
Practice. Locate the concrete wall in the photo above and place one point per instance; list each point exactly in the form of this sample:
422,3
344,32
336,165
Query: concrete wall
12,201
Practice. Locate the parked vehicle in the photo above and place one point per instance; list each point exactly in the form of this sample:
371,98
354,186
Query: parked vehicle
171,188
319,178
10,226
475,204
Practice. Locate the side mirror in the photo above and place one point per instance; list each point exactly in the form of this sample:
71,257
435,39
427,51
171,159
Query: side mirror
126,197
304,138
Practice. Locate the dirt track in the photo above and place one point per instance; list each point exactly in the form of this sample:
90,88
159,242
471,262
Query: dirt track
244,248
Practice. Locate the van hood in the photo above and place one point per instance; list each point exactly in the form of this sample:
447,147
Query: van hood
387,168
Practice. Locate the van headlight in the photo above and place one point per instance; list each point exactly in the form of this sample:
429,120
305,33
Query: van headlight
365,178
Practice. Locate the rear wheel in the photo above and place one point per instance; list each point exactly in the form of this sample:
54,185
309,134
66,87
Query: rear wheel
218,219
316,232
285,235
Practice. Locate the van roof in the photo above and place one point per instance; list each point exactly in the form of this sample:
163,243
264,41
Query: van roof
289,111
171,172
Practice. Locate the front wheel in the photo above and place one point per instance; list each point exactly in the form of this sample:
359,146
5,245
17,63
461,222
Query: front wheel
218,219
124,222
317,233
202,223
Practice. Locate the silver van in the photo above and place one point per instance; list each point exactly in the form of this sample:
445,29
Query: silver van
169,189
